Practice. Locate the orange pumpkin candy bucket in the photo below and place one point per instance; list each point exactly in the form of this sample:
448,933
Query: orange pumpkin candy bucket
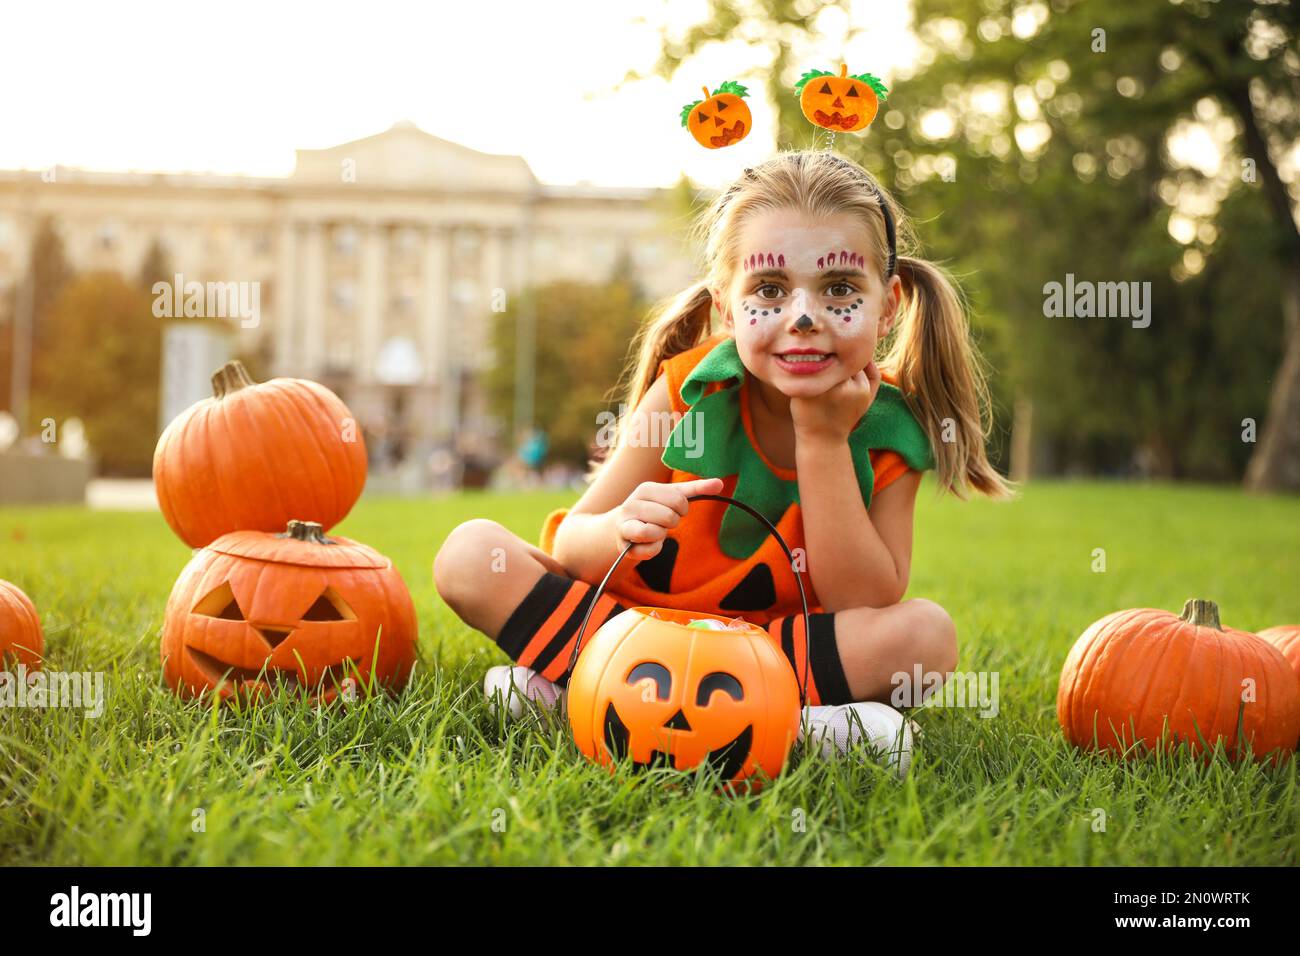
656,689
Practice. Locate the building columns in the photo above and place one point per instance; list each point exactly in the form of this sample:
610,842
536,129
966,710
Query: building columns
435,327
496,281
314,301
370,314
286,303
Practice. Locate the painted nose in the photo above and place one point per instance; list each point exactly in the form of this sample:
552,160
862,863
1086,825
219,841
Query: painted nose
838,103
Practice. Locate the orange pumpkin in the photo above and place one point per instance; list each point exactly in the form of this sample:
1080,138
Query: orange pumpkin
1133,674
254,456
253,610
721,118
21,639
1286,639
649,688
842,104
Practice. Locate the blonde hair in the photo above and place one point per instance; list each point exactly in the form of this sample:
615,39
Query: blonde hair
929,351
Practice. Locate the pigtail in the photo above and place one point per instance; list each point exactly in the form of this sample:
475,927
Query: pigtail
941,374
675,326
679,324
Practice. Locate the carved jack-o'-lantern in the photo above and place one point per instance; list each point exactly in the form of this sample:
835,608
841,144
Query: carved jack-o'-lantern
843,103
721,118
21,638
254,610
649,688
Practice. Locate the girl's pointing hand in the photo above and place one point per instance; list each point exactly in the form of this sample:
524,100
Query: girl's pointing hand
652,509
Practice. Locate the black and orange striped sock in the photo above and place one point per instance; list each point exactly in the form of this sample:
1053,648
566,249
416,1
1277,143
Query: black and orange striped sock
540,632
827,683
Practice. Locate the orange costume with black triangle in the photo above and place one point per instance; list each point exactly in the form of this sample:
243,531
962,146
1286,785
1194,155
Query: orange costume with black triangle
718,559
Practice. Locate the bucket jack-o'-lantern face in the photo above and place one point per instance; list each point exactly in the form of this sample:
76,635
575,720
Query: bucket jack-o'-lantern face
254,611
843,103
650,690
651,680
721,118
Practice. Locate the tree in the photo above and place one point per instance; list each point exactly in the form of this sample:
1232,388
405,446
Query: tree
47,273
156,266
101,364
583,331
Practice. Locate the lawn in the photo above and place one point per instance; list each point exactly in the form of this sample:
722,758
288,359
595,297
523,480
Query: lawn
431,777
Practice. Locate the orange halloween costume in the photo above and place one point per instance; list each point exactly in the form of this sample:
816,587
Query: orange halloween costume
720,560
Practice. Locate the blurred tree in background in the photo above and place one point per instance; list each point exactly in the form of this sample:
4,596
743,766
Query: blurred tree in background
583,336
48,272
155,267
1115,141
100,363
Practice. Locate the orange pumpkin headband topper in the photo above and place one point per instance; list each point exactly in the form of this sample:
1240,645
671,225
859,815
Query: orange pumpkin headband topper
839,102
721,118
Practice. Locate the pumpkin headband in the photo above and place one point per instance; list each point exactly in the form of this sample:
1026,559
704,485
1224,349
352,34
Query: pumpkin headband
839,103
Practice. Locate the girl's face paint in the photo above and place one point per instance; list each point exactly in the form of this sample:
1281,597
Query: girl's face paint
811,286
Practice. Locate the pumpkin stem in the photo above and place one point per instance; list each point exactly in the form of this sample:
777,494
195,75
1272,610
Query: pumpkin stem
231,377
844,69
1202,613
305,531
706,92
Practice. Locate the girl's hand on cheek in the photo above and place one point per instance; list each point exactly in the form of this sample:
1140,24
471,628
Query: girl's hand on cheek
834,413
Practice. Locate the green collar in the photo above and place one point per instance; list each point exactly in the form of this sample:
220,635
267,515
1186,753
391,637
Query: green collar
710,441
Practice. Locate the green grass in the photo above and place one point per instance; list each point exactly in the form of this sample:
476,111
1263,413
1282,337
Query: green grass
423,778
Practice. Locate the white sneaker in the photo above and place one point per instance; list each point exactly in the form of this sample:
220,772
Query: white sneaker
518,686
840,727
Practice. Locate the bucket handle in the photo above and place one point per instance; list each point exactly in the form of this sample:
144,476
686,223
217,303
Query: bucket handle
803,597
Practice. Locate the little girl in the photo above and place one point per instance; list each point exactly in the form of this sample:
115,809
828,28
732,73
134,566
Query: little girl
786,407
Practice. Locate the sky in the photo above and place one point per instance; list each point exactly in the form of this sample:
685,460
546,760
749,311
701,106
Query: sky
236,87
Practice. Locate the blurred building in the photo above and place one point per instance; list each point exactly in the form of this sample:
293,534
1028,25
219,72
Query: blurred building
377,263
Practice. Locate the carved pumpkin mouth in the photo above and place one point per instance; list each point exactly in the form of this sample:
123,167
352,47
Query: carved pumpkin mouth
729,759
218,671
729,135
837,119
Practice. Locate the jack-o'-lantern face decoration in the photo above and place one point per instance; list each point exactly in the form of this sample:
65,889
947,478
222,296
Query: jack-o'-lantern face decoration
721,118
253,611
651,690
843,103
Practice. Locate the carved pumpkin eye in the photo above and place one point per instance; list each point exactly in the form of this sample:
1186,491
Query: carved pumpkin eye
330,606
718,680
826,88
220,603
656,672
853,91
702,115
720,105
